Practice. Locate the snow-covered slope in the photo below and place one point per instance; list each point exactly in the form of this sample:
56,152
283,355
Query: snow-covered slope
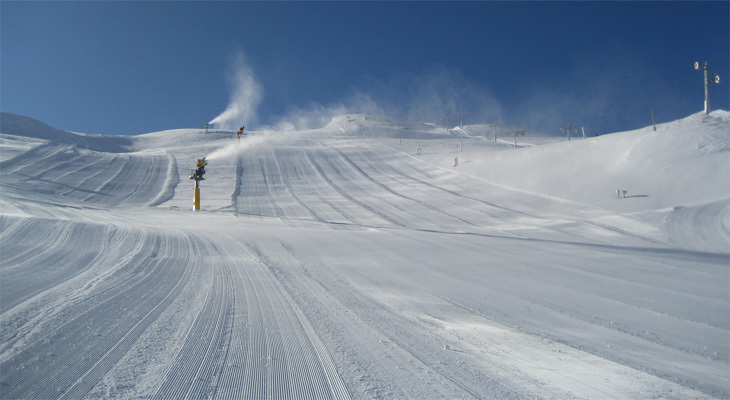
341,263
13,124
683,163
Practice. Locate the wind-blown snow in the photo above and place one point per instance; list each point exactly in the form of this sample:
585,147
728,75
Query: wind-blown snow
341,263
246,95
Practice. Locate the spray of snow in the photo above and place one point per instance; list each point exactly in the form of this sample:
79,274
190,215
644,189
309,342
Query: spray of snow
426,96
246,95
237,148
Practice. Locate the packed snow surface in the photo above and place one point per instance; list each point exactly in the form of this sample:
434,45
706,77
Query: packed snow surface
372,258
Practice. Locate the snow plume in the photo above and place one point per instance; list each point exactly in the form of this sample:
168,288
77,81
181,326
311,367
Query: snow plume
606,94
237,148
441,91
246,95
433,93
317,115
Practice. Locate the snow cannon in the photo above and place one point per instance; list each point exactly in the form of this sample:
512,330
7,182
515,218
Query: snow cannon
197,175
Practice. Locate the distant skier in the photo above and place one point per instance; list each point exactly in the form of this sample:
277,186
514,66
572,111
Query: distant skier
206,128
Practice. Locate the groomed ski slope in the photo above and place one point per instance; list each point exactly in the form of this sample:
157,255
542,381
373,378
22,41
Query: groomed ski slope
340,263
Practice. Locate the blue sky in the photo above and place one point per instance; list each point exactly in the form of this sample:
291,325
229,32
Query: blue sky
137,67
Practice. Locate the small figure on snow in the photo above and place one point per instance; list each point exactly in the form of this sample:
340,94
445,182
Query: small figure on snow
240,132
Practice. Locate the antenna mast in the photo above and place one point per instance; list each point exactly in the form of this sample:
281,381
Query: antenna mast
708,81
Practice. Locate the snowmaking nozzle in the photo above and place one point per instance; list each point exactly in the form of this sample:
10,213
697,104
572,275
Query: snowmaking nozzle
199,171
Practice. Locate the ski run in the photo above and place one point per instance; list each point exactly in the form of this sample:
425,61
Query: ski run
373,258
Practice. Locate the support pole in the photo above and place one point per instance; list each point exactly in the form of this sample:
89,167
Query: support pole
708,81
707,89
569,128
197,176
196,197
518,133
